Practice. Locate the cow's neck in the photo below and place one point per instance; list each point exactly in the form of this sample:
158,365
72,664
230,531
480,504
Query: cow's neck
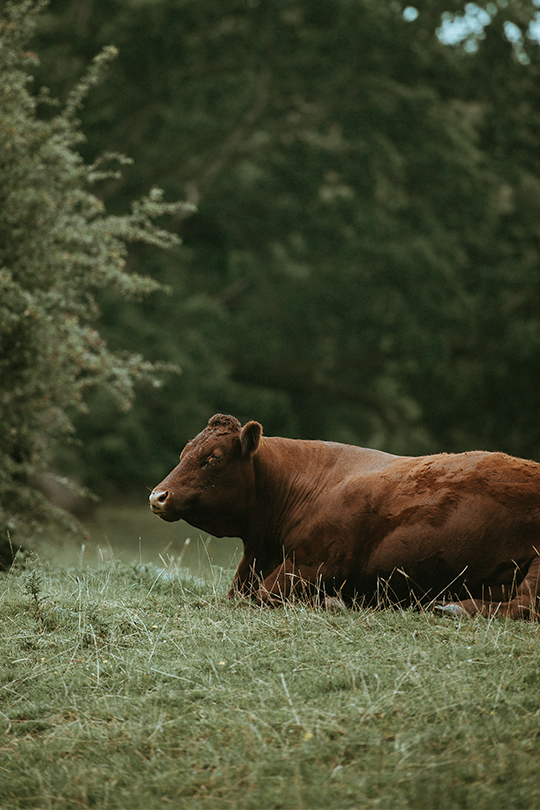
288,475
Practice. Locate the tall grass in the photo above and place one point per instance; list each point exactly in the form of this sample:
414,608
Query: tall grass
135,687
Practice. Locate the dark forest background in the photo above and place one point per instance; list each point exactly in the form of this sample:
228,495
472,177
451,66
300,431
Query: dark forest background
363,264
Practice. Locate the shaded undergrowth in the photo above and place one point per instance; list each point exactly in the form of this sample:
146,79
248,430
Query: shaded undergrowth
129,687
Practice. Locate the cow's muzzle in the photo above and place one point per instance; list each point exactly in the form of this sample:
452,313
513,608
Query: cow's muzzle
158,501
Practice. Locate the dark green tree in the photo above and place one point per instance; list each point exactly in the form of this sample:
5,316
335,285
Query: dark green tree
364,261
492,394
58,247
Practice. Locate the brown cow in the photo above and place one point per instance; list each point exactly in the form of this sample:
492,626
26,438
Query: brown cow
321,518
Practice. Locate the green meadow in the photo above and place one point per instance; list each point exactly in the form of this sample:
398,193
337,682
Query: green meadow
138,686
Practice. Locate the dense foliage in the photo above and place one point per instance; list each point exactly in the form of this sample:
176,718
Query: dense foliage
58,246
364,263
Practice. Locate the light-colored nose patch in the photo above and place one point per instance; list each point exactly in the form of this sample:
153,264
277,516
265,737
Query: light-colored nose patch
157,499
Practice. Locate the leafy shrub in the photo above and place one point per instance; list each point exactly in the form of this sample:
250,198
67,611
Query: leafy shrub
58,247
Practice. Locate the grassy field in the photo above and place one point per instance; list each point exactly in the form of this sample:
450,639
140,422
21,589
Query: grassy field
129,530
134,687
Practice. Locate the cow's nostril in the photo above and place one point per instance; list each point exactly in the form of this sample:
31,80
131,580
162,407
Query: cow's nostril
158,498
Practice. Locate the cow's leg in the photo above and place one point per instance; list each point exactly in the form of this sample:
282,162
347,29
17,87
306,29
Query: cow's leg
288,580
279,586
524,605
245,580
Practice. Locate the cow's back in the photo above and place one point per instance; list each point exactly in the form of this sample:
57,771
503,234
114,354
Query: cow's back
446,515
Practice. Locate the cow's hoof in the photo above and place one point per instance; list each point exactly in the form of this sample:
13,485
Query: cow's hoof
333,603
453,609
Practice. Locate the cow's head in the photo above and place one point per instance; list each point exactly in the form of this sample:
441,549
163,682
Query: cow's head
212,484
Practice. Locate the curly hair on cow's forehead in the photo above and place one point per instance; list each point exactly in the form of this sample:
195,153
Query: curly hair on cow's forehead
221,420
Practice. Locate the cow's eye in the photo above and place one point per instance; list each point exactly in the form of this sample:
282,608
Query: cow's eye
215,458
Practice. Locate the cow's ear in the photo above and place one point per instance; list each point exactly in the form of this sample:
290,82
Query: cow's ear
250,436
